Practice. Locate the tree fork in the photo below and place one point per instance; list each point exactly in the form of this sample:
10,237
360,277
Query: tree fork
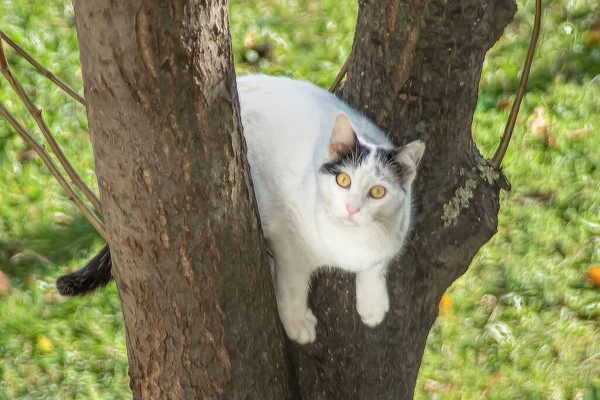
414,68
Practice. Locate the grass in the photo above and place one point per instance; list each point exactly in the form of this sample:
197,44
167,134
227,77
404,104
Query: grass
523,323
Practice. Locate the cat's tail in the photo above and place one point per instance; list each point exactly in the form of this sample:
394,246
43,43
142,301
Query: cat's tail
96,274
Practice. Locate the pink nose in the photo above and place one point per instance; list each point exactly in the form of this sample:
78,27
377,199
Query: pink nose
352,209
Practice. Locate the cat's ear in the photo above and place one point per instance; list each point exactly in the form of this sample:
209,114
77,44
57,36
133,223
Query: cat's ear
342,138
409,157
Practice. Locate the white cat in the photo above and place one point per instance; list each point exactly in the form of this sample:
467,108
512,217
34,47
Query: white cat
331,190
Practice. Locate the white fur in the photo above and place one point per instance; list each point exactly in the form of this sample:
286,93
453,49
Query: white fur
287,127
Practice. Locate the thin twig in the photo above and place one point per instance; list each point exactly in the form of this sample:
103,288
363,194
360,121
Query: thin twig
89,214
3,62
340,76
46,73
37,115
514,111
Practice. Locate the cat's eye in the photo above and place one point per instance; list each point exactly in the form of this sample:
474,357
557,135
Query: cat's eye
343,180
377,192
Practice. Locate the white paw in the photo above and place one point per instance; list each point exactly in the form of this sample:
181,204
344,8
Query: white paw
301,328
372,307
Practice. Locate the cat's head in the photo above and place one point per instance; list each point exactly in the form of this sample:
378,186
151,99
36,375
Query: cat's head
360,183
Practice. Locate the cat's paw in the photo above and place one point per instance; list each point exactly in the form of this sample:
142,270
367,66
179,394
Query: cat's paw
301,328
372,307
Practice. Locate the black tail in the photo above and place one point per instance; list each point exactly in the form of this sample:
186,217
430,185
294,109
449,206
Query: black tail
96,274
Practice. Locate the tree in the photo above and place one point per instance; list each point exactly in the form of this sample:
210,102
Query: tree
179,209
417,76
197,300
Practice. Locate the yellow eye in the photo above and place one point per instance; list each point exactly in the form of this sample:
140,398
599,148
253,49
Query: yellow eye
343,180
377,192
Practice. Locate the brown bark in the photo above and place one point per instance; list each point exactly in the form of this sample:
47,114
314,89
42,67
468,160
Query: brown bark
415,69
197,300
196,294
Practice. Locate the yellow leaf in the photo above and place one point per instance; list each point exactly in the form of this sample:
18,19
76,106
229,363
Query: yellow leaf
538,123
249,38
445,304
45,344
594,275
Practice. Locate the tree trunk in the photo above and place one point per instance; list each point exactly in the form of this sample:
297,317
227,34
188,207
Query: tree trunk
414,69
197,298
191,270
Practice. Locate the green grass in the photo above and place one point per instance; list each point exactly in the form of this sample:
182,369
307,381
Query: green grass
524,324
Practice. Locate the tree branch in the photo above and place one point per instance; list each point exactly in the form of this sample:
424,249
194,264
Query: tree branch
46,73
340,76
514,111
89,214
37,115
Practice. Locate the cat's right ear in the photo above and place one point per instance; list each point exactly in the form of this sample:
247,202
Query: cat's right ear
343,138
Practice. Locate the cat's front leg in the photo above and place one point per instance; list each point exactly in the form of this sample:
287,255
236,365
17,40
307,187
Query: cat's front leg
292,279
372,300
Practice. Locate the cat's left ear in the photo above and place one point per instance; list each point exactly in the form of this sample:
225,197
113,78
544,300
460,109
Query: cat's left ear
409,157
343,138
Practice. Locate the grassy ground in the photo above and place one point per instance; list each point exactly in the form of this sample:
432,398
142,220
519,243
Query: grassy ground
523,324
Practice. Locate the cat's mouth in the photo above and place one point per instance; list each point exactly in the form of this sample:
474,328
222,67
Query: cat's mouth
351,220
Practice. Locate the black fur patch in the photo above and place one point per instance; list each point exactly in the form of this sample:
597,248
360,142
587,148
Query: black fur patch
388,159
96,274
351,159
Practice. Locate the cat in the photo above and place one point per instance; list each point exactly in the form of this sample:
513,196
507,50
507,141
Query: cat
331,189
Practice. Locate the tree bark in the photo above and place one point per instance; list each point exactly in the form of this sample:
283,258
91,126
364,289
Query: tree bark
197,297
414,69
190,266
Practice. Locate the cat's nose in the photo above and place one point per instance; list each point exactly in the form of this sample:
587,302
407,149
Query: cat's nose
352,209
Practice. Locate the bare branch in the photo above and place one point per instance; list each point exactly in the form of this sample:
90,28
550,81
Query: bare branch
514,111
340,76
89,214
3,62
49,75
37,115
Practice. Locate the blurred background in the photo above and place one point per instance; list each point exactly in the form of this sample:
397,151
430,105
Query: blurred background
522,323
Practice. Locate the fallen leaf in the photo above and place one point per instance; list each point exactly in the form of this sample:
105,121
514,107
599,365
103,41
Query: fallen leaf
445,306
53,297
593,35
4,283
503,104
45,344
593,275
249,38
538,124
